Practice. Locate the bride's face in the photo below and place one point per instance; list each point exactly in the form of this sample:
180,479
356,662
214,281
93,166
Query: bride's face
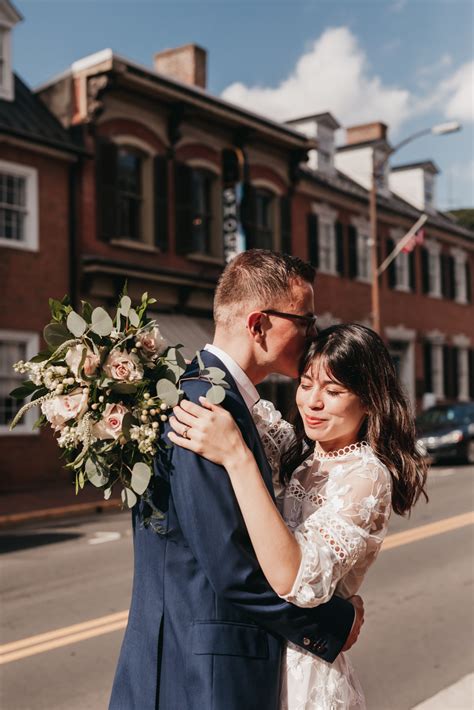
331,414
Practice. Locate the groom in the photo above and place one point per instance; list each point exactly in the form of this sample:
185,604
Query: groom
206,631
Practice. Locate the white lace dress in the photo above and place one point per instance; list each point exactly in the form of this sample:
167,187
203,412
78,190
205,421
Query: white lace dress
338,507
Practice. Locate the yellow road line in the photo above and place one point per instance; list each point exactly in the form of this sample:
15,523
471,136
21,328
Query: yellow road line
423,531
50,640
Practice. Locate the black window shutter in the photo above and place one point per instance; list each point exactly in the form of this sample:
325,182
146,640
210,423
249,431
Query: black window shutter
248,214
455,372
451,276
285,224
447,371
391,270
468,281
352,238
444,276
107,192
425,270
340,260
160,194
412,271
313,239
183,202
471,374
428,366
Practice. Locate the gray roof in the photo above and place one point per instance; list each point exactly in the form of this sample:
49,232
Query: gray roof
28,118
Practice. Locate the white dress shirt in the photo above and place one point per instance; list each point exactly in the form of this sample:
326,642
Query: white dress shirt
246,388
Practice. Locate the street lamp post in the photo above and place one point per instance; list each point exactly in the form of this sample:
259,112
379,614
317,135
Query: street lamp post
378,167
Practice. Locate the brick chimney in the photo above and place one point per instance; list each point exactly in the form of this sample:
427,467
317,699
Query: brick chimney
187,64
366,132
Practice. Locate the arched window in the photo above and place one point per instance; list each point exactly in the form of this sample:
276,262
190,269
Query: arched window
129,194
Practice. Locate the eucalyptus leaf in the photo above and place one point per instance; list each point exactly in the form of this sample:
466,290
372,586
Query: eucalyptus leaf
125,304
199,359
101,322
56,334
134,318
141,474
76,324
107,493
41,356
86,311
127,422
214,373
216,394
81,480
94,475
168,392
128,497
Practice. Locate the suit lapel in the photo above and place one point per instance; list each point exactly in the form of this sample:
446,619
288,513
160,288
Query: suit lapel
211,360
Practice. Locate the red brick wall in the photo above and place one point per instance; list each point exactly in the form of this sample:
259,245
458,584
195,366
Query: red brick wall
27,280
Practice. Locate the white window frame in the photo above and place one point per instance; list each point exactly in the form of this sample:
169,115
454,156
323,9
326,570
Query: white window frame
434,268
32,341
402,264
31,240
460,283
326,238
6,87
463,343
362,226
437,341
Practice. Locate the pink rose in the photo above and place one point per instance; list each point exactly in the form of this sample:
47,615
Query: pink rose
152,342
74,357
110,426
60,409
123,366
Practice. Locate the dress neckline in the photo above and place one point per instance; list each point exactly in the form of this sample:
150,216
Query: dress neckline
345,451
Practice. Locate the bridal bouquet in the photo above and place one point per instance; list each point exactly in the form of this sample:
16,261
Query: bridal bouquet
106,386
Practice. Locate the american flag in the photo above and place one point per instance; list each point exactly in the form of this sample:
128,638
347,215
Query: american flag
417,238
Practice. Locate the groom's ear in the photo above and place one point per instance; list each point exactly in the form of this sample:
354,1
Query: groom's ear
255,325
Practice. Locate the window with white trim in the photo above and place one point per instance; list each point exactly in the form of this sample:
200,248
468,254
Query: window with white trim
18,206
433,250
460,280
6,75
363,252
14,346
402,266
327,255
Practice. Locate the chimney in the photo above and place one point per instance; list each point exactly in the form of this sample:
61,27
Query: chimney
366,132
186,64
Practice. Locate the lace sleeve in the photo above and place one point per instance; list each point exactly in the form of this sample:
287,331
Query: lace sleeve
348,528
276,434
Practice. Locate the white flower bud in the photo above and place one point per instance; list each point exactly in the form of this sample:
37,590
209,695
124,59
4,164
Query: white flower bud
101,398
144,418
155,425
164,418
153,412
163,406
146,395
95,406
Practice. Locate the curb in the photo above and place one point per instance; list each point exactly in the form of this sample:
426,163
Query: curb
13,519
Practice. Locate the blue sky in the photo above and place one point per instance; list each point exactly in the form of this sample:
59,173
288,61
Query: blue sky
407,62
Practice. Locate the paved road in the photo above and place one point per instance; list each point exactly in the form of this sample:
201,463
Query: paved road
419,621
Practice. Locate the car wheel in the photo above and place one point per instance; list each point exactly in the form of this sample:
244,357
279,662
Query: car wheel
470,451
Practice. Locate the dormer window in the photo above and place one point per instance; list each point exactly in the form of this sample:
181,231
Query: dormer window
9,17
320,126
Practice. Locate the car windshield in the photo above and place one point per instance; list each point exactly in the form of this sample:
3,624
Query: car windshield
438,417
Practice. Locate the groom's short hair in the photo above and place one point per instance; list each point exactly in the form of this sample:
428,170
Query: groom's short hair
257,279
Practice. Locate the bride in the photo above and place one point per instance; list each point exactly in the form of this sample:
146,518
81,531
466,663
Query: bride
349,460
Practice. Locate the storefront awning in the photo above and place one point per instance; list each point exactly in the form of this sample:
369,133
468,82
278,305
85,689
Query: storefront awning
192,333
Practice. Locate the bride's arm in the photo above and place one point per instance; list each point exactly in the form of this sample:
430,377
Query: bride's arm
277,551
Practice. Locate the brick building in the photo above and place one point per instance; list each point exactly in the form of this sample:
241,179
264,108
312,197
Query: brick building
164,165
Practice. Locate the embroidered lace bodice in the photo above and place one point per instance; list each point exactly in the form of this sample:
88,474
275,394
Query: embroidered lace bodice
338,509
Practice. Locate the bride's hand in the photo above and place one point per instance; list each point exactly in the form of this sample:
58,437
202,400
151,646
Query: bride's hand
207,430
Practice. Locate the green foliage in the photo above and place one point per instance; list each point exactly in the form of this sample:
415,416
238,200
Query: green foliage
55,334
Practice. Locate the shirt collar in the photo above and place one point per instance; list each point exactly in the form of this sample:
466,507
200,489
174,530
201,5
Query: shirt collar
245,386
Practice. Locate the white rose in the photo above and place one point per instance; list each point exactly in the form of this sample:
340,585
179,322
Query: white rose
110,426
123,366
61,409
74,357
152,342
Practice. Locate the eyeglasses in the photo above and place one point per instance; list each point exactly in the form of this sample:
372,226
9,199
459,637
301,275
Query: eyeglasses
308,321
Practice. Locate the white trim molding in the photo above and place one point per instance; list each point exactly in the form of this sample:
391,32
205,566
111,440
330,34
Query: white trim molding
327,217
362,225
31,340
30,242
460,282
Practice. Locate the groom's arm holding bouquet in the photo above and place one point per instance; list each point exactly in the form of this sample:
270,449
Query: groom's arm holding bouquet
215,531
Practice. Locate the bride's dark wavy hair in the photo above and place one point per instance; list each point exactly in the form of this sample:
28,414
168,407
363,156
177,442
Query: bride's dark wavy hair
357,357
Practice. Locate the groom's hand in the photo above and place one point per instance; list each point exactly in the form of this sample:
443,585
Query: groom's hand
358,605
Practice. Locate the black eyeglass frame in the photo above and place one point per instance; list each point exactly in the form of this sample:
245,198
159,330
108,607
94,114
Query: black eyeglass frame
310,321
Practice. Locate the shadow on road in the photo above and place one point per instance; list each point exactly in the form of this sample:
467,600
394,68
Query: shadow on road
24,541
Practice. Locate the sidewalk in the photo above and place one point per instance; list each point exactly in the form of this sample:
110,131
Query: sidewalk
49,502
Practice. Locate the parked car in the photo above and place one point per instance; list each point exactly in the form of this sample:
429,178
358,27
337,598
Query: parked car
447,432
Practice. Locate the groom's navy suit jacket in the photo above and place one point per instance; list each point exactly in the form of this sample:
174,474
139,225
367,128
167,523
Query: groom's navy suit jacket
206,630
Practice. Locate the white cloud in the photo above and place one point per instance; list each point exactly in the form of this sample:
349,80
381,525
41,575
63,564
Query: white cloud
460,93
333,75
445,61
398,5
